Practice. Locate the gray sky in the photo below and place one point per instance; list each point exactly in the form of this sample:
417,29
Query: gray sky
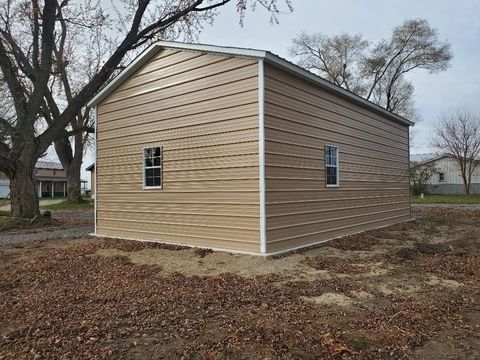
457,21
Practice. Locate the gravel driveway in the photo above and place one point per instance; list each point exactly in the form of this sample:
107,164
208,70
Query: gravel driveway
72,225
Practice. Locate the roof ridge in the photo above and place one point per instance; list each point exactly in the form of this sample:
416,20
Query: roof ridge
265,55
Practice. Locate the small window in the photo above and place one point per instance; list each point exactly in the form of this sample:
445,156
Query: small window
54,173
152,167
331,166
441,177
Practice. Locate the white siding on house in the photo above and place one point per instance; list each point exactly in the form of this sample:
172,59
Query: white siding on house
452,180
451,169
4,188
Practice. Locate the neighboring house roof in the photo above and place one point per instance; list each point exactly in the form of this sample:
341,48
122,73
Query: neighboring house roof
55,179
91,167
48,165
247,53
427,158
51,178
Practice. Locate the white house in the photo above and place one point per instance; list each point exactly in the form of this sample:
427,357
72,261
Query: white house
448,179
4,185
50,180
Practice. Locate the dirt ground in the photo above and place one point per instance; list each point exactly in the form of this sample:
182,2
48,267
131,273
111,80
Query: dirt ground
407,291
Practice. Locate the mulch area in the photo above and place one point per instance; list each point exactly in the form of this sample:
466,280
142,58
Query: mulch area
68,303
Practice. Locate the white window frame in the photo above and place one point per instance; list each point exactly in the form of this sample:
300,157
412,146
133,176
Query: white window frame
337,166
145,187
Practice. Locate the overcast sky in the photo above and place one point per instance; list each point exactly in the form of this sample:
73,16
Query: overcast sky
457,21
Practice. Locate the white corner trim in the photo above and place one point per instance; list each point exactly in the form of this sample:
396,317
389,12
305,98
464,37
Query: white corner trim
231,251
95,117
261,155
157,46
239,52
307,75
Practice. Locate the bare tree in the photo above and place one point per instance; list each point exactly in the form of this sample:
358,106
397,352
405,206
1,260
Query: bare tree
31,34
335,58
458,136
420,175
376,71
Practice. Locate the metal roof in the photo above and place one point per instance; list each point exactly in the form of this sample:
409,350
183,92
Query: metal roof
48,165
421,159
247,53
55,179
51,178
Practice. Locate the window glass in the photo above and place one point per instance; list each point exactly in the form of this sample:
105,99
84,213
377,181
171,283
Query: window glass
331,166
152,167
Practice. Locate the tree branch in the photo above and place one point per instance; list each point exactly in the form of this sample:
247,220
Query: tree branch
10,75
6,125
45,66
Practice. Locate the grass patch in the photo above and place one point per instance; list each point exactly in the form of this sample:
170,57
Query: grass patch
5,213
447,199
67,205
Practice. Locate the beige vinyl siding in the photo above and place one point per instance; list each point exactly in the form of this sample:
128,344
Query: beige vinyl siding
300,119
203,110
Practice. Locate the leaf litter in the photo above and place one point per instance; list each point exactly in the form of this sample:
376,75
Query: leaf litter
69,302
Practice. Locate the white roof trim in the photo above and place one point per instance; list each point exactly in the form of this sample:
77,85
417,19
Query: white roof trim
432,159
224,50
241,52
124,74
307,75
438,157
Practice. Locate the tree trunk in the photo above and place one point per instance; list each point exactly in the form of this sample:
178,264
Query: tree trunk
71,160
23,192
466,184
74,193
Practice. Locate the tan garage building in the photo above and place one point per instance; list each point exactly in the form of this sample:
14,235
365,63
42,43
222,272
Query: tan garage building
239,149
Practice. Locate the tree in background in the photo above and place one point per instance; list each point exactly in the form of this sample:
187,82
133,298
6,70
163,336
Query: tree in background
420,174
376,71
458,136
32,64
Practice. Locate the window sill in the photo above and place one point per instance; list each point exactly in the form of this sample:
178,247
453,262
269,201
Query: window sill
152,187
